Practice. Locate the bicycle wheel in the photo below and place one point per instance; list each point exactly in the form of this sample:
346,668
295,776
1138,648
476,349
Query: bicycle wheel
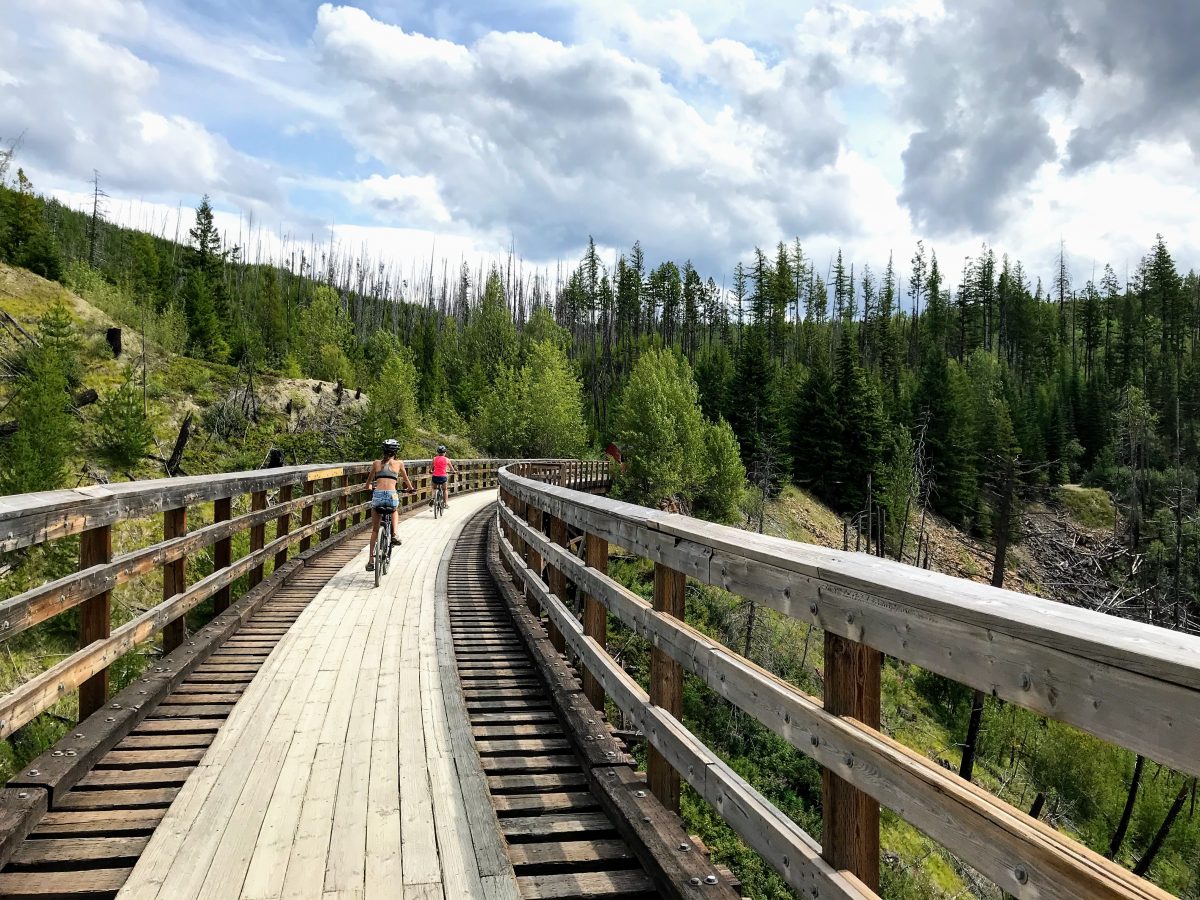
379,555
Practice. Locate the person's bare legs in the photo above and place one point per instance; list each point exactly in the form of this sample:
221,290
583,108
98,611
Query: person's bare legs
374,538
396,526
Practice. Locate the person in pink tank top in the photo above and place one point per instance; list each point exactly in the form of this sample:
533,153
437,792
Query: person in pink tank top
443,467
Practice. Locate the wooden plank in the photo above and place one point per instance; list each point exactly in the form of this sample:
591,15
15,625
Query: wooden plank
586,884
174,577
527,804
666,683
555,825
95,548
79,850
131,798
89,883
570,853
850,817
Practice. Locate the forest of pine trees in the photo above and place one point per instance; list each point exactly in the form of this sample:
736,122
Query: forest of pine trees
889,390
886,392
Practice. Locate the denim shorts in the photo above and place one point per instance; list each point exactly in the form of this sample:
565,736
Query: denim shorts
385,500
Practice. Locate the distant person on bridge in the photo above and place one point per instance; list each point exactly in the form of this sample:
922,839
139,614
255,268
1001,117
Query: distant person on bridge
386,473
442,465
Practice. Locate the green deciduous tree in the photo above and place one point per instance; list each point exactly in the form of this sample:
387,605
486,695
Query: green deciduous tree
535,409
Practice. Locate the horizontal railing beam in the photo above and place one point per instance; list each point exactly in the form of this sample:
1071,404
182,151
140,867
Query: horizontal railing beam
42,691
795,855
1025,857
988,641
45,601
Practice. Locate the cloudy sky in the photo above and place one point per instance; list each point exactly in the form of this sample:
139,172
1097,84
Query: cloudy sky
700,127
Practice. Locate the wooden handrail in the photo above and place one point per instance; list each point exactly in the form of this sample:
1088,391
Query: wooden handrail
30,519
1135,685
1025,857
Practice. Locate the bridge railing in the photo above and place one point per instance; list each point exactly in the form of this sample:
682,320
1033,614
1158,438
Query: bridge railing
303,503
1134,685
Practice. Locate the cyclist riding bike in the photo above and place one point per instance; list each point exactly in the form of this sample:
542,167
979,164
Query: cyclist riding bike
442,468
384,479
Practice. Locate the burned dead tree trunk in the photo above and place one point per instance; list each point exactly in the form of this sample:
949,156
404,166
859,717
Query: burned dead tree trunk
1118,837
185,432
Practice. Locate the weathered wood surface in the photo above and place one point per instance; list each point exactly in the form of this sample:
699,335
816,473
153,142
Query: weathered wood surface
39,693
40,603
301,790
784,845
1027,858
1126,682
32,518
653,834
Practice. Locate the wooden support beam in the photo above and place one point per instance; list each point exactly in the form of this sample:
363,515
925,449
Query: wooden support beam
222,551
326,508
258,535
850,834
666,684
532,558
343,503
558,582
284,524
174,577
306,515
595,616
95,548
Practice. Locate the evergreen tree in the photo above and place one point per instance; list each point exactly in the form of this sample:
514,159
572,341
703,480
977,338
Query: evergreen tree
37,456
123,434
860,415
816,432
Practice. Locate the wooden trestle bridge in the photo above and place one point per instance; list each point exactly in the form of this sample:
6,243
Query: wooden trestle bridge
443,735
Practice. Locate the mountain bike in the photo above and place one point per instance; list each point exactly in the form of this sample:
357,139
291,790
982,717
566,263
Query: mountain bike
383,546
438,502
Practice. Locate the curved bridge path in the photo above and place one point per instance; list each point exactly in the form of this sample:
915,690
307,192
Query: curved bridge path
346,769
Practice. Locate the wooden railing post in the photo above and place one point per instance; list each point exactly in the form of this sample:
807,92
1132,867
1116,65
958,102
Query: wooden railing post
532,558
850,836
283,524
558,582
326,507
595,616
306,515
344,503
222,551
258,534
666,684
174,577
95,548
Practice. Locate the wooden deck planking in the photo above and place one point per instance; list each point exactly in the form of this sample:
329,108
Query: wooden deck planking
336,774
